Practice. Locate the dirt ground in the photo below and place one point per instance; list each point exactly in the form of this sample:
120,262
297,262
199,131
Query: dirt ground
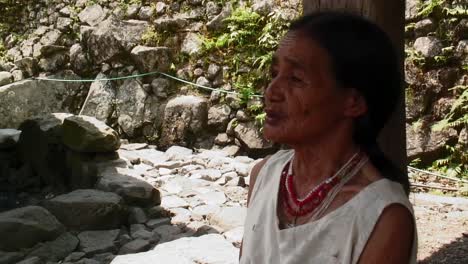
442,224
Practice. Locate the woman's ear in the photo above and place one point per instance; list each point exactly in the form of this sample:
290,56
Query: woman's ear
355,104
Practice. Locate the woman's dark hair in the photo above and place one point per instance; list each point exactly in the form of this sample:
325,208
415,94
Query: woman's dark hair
364,58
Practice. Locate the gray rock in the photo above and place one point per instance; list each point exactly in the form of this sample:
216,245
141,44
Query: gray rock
151,59
208,174
64,23
218,117
223,139
28,226
10,257
53,62
251,138
428,146
78,59
5,78
213,71
9,138
88,261
232,150
160,8
132,10
87,134
134,189
40,146
170,23
213,198
203,81
155,223
184,117
150,157
32,260
160,87
135,246
28,65
75,256
143,234
114,37
92,15
228,218
138,113
192,44
101,94
65,11
218,22
206,210
167,232
187,250
17,75
233,100
88,210
23,100
263,7
56,250
137,216
173,201
181,216
94,242
412,9
51,37
176,152
424,26
428,46
146,12
212,9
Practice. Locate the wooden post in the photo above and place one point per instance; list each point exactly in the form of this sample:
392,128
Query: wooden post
390,16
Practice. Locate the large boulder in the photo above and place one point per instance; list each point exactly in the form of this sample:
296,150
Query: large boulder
184,118
114,37
95,242
27,226
57,249
130,185
87,134
101,94
208,249
218,117
427,144
137,112
150,59
23,100
9,138
40,146
252,139
88,209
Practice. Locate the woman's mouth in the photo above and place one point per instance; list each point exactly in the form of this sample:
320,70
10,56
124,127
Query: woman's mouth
273,117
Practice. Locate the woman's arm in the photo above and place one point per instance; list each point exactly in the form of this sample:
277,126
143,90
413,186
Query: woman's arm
253,177
391,240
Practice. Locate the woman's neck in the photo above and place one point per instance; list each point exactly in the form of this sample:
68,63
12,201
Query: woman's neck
314,163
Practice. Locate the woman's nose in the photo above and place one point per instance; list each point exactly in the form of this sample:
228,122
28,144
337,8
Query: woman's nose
274,91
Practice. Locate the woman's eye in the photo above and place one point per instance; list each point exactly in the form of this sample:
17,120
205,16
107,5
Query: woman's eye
296,79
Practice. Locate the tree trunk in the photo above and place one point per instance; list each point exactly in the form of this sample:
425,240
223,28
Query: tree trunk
390,16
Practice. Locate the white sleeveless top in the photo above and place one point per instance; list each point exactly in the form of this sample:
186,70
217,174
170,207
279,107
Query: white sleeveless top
337,237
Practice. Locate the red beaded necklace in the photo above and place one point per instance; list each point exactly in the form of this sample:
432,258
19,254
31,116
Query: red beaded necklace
302,206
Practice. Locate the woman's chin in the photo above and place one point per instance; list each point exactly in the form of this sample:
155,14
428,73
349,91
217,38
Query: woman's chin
272,133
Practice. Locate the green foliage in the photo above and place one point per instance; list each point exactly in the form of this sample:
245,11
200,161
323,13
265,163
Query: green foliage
457,160
151,37
429,7
247,45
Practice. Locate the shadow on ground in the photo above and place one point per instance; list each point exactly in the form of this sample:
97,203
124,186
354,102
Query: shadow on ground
454,253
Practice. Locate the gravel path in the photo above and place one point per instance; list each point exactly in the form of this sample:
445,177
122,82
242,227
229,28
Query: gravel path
442,228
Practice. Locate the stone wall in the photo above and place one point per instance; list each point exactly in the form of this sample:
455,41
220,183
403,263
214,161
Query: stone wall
104,39
436,71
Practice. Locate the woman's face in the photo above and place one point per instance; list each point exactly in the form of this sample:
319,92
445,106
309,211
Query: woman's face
303,102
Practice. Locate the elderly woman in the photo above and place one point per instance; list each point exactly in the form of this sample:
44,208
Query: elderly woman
334,197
